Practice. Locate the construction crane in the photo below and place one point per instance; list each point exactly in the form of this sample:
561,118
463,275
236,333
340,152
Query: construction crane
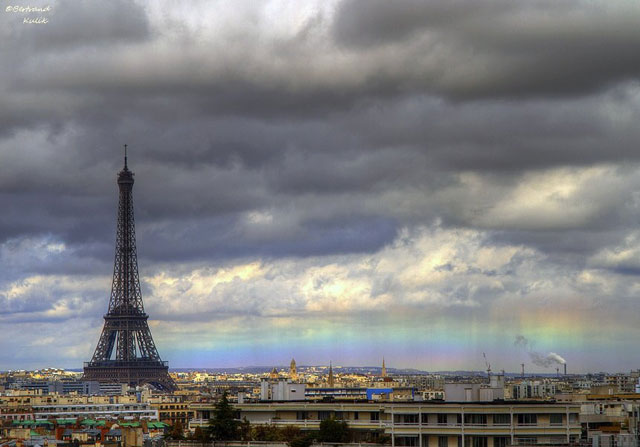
487,364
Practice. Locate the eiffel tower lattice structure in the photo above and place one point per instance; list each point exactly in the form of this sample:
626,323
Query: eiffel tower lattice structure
126,352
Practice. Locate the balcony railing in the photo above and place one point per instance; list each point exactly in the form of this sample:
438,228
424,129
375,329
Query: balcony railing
388,424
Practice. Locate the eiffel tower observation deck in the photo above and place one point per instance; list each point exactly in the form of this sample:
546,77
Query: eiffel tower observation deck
126,352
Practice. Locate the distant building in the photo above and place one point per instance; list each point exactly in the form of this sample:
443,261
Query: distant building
173,411
623,383
86,387
475,392
533,389
293,372
362,393
282,390
98,410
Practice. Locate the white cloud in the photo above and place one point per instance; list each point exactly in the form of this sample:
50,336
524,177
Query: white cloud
419,270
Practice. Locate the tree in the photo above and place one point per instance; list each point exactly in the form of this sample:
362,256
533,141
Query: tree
297,438
267,433
303,441
223,426
176,431
244,429
200,435
332,430
290,433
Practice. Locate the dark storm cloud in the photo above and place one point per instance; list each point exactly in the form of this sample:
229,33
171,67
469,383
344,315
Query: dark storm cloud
369,23
509,51
469,161
500,48
77,24
220,239
504,135
325,140
191,193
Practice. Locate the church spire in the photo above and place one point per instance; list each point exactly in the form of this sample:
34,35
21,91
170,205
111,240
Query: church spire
331,379
384,369
293,371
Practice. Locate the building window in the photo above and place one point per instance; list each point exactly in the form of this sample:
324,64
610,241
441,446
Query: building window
442,419
555,419
527,419
501,441
475,419
355,415
501,419
443,441
408,418
475,441
302,415
406,441
324,415
375,416
573,418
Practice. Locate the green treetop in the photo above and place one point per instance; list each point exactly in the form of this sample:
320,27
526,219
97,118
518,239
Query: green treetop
223,426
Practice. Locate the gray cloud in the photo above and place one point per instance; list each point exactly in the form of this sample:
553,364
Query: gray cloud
499,49
337,133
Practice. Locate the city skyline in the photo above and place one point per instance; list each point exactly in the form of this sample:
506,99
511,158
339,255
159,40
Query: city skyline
339,181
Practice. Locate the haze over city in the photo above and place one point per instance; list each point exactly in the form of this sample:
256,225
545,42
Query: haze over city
330,181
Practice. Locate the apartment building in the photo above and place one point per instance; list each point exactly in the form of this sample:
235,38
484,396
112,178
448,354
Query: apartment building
97,411
173,412
533,389
425,424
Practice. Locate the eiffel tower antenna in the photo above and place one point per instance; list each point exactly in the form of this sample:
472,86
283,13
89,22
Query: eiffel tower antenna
126,352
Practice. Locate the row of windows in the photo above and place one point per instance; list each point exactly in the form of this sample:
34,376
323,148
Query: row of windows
323,415
445,419
91,407
181,414
478,419
478,441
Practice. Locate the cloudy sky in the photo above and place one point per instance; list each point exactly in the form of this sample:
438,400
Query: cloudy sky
327,180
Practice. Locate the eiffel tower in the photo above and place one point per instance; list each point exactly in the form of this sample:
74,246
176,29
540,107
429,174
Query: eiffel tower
125,330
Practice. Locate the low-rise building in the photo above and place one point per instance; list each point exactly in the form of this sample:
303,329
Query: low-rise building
425,424
100,410
282,390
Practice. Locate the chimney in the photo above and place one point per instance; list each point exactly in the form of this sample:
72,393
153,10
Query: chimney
522,370
565,369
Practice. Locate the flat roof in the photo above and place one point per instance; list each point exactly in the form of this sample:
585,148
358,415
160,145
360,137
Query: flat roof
416,403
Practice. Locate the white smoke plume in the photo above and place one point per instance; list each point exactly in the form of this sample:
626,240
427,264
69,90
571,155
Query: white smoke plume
538,358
